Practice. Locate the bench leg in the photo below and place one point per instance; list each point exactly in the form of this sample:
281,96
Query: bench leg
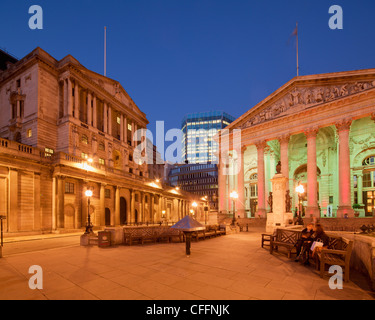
322,267
346,274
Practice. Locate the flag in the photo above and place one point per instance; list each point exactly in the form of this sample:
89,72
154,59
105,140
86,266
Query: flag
294,34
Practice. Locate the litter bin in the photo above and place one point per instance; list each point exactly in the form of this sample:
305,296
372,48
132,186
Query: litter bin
104,239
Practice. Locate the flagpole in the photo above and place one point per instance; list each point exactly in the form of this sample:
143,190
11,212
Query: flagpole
105,51
297,50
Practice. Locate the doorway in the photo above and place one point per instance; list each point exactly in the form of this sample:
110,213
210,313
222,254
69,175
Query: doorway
107,217
123,208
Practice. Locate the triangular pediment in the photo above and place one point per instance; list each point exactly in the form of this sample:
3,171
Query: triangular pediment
113,87
306,92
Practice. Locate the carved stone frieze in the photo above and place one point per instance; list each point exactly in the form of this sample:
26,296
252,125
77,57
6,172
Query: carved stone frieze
304,97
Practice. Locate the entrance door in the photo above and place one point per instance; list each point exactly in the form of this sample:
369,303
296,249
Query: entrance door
107,217
253,207
369,197
123,220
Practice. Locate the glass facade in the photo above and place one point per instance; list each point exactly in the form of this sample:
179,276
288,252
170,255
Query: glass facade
198,130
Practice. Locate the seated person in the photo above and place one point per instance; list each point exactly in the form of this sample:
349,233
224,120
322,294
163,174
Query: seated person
306,236
320,236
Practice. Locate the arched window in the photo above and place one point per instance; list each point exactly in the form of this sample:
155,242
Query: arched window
369,161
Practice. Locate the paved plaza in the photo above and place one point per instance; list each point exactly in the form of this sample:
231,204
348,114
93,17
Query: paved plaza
232,267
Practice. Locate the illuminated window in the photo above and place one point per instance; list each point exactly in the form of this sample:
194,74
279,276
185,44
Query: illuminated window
129,127
118,120
101,161
84,155
48,152
29,133
85,139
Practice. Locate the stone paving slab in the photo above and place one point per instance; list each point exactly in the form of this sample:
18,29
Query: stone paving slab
233,267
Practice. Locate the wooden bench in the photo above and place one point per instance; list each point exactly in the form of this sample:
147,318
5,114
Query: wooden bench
140,234
339,253
266,237
201,234
285,238
168,234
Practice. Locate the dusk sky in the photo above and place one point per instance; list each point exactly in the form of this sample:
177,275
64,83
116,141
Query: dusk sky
175,57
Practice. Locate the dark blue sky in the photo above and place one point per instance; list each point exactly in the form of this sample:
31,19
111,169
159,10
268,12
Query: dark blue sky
179,56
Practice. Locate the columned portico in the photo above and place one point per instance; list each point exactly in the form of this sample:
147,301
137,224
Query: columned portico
240,203
345,208
284,145
261,145
312,180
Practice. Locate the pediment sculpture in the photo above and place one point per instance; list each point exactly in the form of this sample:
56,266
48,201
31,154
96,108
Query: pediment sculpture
303,97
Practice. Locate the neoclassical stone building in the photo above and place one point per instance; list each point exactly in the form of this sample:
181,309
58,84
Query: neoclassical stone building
65,129
321,128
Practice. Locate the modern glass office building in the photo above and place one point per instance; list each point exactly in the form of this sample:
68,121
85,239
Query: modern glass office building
198,131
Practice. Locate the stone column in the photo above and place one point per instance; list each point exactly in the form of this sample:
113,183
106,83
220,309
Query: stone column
13,200
312,174
125,130
132,207
284,145
240,203
132,135
37,208
152,200
105,120
69,97
60,201
94,113
143,211
345,208
89,109
360,188
117,207
109,120
54,208
261,145
121,127
76,100
102,204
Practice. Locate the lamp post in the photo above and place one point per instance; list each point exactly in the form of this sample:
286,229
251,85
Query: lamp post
89,225
300,190
234,197
205,209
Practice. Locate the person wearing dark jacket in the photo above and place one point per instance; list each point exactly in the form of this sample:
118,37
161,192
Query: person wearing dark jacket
319,236
306,236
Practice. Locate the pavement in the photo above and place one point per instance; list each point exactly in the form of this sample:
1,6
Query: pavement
231,267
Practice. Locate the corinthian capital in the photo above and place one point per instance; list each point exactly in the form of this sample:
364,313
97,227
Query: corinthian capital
343,124
284,138
261,144
311,132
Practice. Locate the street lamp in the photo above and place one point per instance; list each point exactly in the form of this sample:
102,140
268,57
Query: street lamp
300,190
234,197
89,225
